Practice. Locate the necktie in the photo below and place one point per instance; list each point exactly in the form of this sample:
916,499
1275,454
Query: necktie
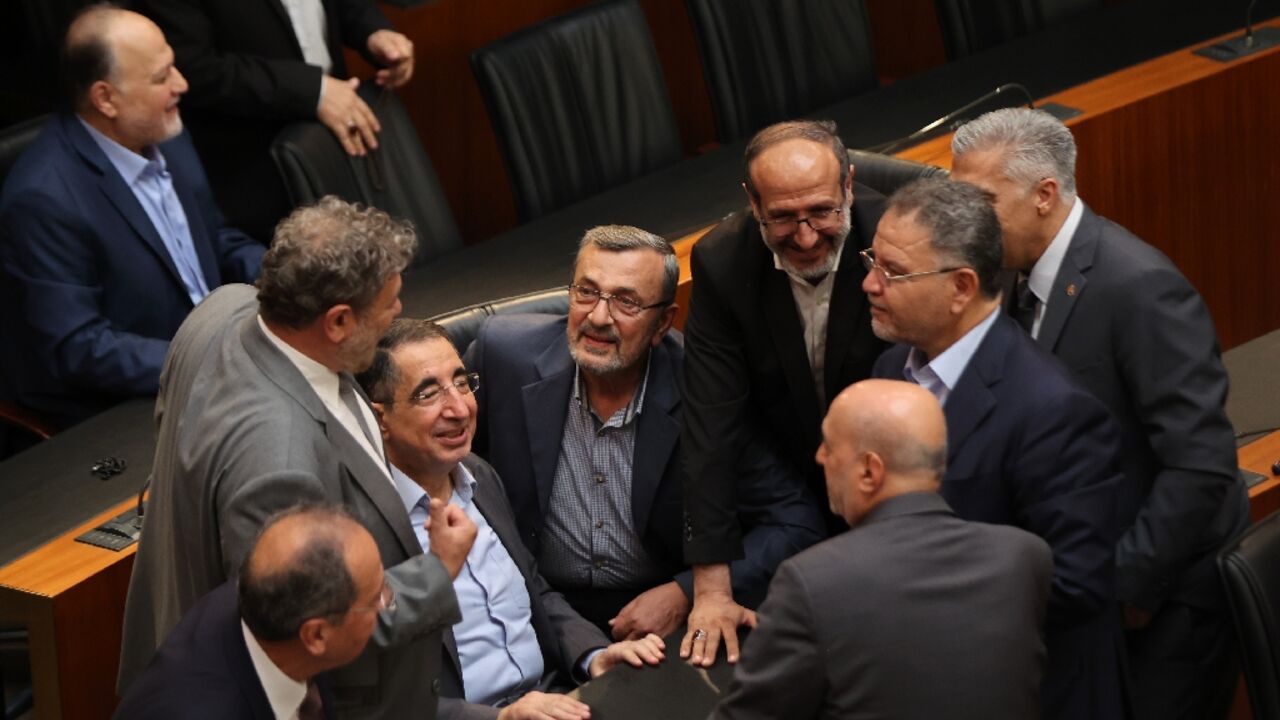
1024,310
312,707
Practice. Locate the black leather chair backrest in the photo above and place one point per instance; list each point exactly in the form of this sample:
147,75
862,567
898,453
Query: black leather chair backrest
398,177
463,324
771,60
1251,573
578,104
15,139
886,173
970,26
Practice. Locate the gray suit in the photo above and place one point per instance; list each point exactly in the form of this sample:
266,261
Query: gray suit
242,435
563,635
912,614
1137,335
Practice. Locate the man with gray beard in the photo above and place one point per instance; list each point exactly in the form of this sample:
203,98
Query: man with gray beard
778,325
585,436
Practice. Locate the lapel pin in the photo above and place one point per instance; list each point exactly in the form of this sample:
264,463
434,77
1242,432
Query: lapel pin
1071,290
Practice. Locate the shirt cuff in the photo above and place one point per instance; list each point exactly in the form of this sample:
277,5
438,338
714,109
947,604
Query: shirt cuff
582,672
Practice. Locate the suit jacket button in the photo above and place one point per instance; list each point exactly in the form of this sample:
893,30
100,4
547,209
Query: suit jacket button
435,686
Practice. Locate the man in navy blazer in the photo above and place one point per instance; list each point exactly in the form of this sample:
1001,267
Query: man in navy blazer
306,601
1027,445
1131,328
616,349
109,234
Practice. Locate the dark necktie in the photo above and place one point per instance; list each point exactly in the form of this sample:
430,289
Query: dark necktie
312,707
1024,307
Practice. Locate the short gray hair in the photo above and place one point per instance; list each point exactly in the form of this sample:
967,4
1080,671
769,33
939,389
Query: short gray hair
327,254
822,132
619,238
1035,145
961,221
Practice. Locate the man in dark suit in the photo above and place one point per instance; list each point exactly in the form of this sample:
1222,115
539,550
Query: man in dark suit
258,65
596,394
1133,330
913,613
306,601
108,232
258,411
1027,445
777,326
517,637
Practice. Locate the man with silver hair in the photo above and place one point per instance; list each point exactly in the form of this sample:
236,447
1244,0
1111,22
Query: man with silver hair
1120,315
778,325
1027,445
581,417
258,411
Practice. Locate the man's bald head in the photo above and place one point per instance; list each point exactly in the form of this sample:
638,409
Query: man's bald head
87,52
881,438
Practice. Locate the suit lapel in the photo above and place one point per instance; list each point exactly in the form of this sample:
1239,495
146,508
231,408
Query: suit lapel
283,14
546,405
1071,280
783,322
371,479
848,310
119,194
972,401
200,239
657,430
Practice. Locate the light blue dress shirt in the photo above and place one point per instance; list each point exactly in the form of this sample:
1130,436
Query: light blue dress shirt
940,375
497,646
150,182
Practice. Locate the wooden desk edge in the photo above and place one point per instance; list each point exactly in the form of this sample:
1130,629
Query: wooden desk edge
63,563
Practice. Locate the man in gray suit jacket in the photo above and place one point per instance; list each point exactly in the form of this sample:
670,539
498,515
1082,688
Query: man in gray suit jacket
258,411
517,637
1122,317
913,613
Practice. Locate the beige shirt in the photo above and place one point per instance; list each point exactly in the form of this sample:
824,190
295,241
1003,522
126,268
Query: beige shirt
813,303
308,20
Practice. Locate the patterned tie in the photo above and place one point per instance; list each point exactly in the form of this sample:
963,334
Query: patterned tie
1024,310
312,707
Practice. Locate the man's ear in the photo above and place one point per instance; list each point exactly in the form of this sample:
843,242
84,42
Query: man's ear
379,413
314,636
101,96
872,477
848,183
339,322
665,321
1048,195
751,199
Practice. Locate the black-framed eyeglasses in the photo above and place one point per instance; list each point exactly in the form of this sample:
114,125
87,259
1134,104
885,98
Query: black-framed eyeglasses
587,298
817,220
869,262
435,394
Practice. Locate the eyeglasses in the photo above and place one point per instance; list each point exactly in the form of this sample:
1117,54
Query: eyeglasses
435,394
869,262
587,298
818,221
386,600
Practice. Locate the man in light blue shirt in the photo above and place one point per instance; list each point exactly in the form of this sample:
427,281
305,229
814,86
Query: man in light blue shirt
109,234
518,637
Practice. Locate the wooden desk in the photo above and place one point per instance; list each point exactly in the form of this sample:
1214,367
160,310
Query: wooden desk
1264,498
1182,151
70,596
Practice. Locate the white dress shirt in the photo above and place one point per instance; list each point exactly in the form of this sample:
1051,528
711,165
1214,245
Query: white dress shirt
283,692
308,20
1045,271
813,303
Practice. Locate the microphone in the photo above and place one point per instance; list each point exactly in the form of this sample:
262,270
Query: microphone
1247,44
1059,111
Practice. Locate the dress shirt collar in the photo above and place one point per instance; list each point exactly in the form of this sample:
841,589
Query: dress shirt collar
1045,271
323,380
284,694
949,365
637,401
412,494
128,163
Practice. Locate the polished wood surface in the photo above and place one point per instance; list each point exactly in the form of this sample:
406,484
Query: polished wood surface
1181,150
1258,456
70,597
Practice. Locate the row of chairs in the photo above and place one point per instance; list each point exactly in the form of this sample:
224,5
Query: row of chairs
579,104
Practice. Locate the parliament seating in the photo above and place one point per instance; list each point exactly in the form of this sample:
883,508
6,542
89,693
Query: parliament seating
970,26
463,324
1251,575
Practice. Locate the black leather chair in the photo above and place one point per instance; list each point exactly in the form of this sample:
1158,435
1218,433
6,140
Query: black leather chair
578,104
970,26
398,177
464,324
15,139
771,60
886,173
1251,573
